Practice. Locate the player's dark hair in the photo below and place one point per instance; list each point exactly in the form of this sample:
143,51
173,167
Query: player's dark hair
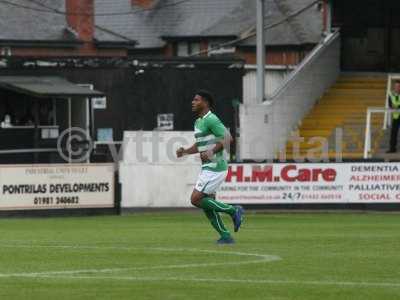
397,81
206,96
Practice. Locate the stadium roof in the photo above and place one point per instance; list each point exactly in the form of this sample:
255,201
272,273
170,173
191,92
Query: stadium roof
168,18
21,24
212,18
303,29
46,86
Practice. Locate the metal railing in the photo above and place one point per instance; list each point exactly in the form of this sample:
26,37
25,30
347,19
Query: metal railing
286,108
308,60
33,150
367,139
303,87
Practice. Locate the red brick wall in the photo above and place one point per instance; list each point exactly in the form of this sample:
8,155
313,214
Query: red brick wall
169,50
80,18
203,47
325,15
273,57
143,3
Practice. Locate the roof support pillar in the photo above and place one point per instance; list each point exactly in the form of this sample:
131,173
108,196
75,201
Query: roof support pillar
260,52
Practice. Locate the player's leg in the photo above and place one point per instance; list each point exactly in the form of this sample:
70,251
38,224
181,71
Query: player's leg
393,134
392,137
213,181
213,217
237,216
196,198
205,182
210,203
397,125
217,224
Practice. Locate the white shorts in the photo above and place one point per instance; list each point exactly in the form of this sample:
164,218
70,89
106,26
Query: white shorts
209,181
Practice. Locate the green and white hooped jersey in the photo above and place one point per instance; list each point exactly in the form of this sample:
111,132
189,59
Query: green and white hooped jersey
209,130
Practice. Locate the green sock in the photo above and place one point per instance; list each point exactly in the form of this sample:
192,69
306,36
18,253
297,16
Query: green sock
216,222
208,203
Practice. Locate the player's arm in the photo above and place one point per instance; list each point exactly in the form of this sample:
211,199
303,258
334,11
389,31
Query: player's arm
223,142
182,151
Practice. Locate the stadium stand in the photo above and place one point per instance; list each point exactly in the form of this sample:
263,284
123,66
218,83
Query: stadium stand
344,106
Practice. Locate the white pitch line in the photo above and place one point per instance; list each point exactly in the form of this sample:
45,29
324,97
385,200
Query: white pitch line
262,258
230,280
113,270
161,249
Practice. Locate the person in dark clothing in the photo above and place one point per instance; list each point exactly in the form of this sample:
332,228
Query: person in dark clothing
394,103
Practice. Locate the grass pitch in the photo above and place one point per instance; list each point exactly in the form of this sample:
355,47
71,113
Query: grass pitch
173,256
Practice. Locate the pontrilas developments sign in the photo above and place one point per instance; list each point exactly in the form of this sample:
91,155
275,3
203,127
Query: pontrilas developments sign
56,186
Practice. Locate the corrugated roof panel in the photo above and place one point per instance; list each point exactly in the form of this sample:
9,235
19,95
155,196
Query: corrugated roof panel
46,86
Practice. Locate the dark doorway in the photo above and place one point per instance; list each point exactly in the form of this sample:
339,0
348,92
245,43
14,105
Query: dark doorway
370,31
